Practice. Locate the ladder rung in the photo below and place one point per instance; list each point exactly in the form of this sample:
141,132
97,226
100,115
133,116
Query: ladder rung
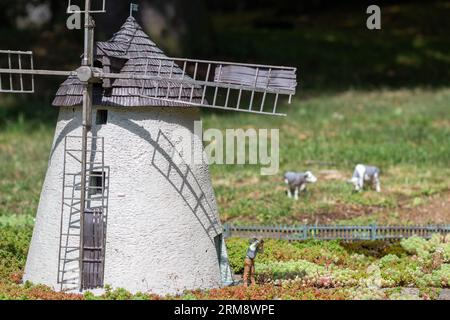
79,173
87,198
70,235
79,187
70,270
69,260
75,206
70,249
89,137
63,272
68,281
79,150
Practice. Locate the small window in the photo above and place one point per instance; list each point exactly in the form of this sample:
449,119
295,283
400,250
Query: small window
98,64
107,92
96,182
102,117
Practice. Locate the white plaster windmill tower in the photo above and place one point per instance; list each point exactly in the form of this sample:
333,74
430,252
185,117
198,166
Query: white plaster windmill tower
148,222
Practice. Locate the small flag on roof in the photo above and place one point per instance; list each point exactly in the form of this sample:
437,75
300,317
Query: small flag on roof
133,7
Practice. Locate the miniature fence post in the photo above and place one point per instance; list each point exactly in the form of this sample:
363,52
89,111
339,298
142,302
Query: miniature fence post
298,229
373,232
305,232
226,231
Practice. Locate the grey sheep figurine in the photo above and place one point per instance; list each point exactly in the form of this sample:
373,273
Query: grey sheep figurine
297,181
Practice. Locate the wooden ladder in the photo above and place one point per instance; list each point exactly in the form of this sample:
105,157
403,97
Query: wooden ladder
93,254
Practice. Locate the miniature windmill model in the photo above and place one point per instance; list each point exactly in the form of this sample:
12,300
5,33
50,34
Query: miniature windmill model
164,234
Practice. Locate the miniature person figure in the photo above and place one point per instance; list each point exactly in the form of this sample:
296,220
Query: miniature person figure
364,174
255,247
297,181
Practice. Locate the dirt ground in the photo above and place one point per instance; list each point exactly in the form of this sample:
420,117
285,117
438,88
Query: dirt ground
435,210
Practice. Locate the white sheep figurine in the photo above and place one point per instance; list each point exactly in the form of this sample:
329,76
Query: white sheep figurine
296,182
364,173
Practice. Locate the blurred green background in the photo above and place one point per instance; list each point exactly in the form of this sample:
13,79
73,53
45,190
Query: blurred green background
327,41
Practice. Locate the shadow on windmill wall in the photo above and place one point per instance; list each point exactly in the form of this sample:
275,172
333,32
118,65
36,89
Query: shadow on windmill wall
180,176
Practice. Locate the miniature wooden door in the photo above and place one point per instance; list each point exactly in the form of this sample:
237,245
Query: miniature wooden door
93,249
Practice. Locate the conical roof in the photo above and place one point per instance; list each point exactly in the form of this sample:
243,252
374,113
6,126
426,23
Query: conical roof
127,52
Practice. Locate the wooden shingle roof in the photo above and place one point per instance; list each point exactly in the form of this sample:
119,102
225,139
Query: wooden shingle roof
127,52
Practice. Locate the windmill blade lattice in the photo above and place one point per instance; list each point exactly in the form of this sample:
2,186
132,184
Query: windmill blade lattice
19,81
227,86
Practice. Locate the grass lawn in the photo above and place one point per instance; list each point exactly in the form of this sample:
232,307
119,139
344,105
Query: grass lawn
404,132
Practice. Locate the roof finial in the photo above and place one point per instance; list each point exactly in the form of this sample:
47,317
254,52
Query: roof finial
133,7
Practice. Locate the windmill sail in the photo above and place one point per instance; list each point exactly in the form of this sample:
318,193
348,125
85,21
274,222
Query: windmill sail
233,86
20,81
214,84
279,79
134,72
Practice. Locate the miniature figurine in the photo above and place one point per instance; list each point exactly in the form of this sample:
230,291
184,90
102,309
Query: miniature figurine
255,247
297,181
363,174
